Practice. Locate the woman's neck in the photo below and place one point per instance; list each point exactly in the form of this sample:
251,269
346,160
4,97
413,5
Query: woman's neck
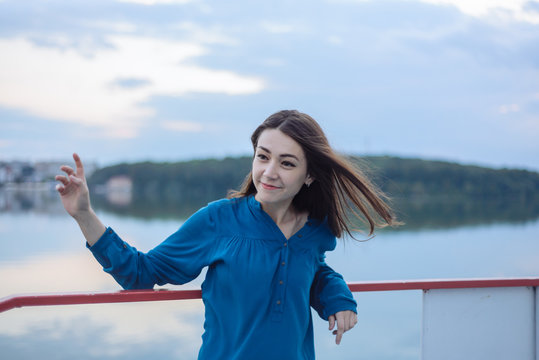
280,213
286,217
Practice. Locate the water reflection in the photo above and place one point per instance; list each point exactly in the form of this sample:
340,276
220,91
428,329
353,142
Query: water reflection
118,331
417,213
442,212
31,197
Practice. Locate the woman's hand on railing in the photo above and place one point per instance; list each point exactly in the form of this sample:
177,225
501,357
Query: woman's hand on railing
345,320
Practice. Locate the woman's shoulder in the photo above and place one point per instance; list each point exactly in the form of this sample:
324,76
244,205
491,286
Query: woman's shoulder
217,213
225,208
321,226
227,204
325,238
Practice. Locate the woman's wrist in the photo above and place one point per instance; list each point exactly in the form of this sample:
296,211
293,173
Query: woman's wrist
84,215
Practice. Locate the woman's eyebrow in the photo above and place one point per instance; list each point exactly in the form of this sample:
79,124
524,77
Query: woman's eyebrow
289,155
282,155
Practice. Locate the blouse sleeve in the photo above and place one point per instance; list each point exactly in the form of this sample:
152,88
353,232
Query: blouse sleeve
329,292
177,260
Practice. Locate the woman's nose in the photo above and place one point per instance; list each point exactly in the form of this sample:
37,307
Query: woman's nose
270,170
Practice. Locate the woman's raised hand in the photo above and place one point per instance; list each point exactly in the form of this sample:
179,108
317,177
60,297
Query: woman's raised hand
73,189
76,200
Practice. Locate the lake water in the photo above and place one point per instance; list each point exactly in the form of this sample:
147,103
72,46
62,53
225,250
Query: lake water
42,250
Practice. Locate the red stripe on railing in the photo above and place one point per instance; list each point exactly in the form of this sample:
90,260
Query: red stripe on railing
440,284
18,301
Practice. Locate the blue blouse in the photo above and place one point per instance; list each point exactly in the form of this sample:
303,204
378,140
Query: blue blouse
258,286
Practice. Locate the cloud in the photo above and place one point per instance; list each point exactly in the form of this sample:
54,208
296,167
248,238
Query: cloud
520,10
182,126
516,9
277,28
509,108
273,62
155,2
92,87
335,40
111,26
5,143
209,34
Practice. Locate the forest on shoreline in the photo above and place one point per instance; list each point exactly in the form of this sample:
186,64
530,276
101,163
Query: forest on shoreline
425,193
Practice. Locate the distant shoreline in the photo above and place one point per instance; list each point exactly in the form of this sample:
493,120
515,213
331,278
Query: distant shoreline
28,186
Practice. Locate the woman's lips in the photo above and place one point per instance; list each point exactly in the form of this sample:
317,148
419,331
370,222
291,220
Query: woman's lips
269,187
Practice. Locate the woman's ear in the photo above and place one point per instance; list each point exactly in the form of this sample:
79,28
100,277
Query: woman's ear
309,180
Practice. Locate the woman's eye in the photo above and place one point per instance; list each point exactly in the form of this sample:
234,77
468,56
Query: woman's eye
262,157
288,164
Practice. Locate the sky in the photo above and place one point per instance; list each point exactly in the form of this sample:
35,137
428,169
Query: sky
166,80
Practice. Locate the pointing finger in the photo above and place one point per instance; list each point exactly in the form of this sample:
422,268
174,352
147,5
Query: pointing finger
340,327
78,163
339,334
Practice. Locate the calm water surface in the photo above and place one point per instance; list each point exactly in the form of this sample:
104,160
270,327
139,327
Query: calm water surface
43,251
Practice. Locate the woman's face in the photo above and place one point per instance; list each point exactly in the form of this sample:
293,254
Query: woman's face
279,168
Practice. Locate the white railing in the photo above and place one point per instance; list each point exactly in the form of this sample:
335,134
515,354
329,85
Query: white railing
465,319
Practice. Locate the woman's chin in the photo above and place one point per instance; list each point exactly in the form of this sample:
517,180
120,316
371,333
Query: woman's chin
267,196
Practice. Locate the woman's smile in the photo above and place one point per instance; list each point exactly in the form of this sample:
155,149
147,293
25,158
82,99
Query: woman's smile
269,187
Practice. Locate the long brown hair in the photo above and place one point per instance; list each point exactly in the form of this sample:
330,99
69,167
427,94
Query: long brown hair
339,190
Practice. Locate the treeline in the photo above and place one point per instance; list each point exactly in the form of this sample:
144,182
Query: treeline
425,193
426,178
437,193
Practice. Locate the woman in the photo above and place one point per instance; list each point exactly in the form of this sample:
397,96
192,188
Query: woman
264,246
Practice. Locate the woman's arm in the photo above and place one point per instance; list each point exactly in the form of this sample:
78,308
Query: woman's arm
75,197
177,260
333,300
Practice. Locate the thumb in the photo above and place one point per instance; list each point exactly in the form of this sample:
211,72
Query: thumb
331,320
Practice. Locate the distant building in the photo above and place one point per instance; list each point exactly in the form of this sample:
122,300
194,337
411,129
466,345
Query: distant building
16,172
119,190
